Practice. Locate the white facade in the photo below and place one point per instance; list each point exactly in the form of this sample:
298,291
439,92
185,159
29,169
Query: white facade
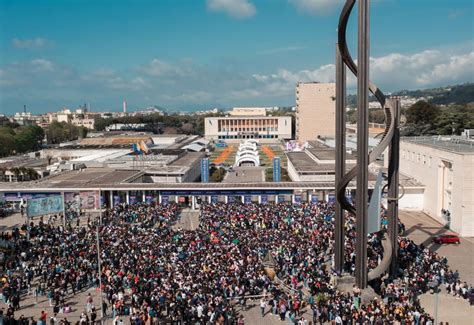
248,127
446,168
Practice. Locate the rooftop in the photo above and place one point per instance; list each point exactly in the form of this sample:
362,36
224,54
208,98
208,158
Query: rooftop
447,143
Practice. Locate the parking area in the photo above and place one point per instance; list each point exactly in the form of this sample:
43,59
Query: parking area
421,228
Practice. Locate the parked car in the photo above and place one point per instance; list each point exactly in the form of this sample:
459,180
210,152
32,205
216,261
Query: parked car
447,239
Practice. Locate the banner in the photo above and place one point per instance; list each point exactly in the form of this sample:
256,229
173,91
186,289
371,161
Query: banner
46,205
276,169
205,170
231,199
116,200
314,199
72,202
133,197
214,199
89,200
148,199
165,199
331,198
264,199
247,199
298,198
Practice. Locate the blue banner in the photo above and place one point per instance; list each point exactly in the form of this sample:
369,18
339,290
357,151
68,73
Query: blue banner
165,199
314,199
281,198
276,169
331,198
214,199
298,198
116,200
205,170
148,199
45,205
231,199
264,199
102,201
247,199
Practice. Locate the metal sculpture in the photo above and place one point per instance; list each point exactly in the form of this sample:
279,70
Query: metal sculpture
364,157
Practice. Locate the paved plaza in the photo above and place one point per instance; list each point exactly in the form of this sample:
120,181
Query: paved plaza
245,175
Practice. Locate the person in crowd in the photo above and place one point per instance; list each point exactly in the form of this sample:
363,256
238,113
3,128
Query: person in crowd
154,272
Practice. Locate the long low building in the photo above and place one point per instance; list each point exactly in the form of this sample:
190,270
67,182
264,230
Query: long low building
446,166
248,123
114,186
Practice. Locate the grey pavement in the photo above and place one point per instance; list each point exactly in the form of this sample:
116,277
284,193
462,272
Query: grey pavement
245,175
188,219
421,228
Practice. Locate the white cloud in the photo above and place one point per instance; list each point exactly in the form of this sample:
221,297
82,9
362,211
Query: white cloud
42,65
395,71
458,68
192,85
159,68
316,7
35,43
235,8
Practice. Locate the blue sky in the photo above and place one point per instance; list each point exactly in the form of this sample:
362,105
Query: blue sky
195,54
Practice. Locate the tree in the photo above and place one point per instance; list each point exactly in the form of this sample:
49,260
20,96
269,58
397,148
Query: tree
422,113
101,123
16,172
7,144
187,128
32,174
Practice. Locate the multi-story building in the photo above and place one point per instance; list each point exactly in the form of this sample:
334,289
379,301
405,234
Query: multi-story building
446,167
315,110
79,117
252,125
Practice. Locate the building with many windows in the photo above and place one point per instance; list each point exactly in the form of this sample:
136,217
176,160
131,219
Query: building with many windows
254,125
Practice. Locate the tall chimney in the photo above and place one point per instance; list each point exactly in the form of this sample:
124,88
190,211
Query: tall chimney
124,105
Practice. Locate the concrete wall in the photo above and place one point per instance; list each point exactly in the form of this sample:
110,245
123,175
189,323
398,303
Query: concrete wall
449,181
412,200
315,110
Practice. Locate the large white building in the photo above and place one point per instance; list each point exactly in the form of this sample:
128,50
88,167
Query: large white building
446,167
248,123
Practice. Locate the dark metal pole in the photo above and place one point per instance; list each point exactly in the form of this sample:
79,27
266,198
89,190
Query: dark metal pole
100,277
393,179
362,143
340,156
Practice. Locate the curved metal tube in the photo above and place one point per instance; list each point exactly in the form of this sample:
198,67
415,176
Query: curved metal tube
387,135
384,263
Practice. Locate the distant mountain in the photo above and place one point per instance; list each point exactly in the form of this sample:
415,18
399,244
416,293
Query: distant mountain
457,94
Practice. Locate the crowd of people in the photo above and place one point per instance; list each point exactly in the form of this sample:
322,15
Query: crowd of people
151,270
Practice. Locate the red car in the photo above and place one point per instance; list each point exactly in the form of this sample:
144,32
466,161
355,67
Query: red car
447,239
